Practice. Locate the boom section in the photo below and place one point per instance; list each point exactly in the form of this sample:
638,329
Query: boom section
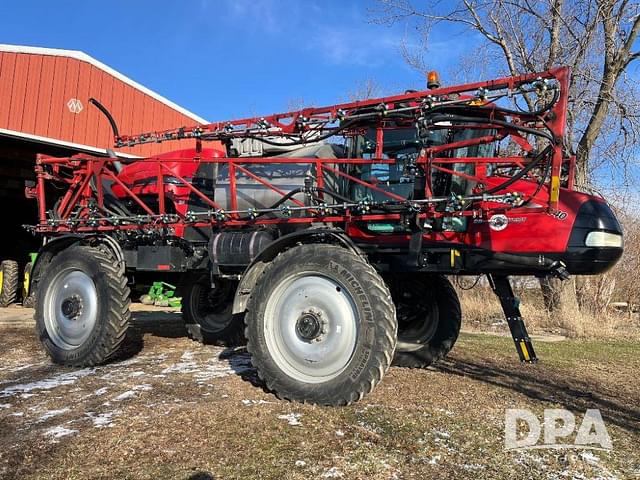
402,159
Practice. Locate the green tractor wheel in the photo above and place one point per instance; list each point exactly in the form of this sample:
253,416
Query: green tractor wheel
28,297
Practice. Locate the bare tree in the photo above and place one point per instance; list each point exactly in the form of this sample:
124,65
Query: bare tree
365,89
596,38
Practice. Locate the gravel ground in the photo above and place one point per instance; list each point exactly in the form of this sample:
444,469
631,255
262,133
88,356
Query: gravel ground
175,409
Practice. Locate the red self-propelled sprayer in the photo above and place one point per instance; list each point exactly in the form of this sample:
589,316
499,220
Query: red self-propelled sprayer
322,237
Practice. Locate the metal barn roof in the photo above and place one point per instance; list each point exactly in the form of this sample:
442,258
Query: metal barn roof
44,97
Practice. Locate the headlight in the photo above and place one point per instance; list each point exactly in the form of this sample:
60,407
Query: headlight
603,239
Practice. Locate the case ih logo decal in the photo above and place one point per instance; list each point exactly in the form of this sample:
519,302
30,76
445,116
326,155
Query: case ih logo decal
75,105
498,222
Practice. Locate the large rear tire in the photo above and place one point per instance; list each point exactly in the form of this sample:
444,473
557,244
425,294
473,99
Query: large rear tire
429,318
320,325
207,312
82,307
9,281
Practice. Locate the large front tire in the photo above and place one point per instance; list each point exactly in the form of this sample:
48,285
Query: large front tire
320,325
207,312
82,307
429,318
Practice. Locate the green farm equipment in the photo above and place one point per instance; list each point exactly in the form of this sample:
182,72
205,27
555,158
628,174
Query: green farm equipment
162,294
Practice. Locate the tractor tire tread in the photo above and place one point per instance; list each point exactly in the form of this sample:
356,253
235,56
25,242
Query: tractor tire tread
116,318
385,338
450,311
11,281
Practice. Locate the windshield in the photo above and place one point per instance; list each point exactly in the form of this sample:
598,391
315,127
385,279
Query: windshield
403,177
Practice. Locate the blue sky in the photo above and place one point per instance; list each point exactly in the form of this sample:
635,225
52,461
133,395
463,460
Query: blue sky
230,58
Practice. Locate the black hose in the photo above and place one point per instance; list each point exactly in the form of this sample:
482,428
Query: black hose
514,259
457,118
332,132
535,113
536,160
335,195
540,184
107,114
286,197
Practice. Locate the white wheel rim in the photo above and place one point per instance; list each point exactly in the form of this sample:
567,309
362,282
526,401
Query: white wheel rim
311,327
70,308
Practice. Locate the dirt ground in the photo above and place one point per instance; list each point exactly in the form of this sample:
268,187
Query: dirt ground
176,409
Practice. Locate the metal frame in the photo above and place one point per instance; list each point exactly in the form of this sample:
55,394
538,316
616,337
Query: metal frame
82,208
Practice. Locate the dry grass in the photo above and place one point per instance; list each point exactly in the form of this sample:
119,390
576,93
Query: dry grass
179,410
481,311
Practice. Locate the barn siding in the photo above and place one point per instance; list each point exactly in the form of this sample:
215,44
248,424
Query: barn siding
35,89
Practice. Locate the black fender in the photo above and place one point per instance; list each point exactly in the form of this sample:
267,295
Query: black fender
55,245
257,266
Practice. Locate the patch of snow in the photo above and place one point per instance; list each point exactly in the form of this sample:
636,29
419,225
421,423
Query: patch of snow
291,418
333,472
441,434
186,364
434,459
101,391
589,458
213,368
59,431
68,378
248,403
339,433
129,361
136,374
17,414
5,405
145,387
300,463
125,395
473,466
52,413
101,420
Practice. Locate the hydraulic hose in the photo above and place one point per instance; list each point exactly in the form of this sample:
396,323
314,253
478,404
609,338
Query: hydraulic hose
457,118
537,159
107,114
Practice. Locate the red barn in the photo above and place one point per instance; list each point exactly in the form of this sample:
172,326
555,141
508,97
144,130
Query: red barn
44,108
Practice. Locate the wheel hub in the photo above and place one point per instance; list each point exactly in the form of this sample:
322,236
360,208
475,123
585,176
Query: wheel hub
72,307
310,326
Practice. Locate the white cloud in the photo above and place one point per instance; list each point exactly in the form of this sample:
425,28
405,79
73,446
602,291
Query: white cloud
347,44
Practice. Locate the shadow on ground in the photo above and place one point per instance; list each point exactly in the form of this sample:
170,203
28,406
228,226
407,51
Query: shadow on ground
544,386
159,324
